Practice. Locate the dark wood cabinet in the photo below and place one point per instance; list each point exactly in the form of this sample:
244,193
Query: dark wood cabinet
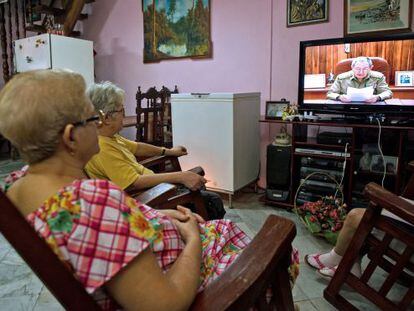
397,144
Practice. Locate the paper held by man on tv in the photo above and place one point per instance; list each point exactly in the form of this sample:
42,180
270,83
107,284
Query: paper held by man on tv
360,95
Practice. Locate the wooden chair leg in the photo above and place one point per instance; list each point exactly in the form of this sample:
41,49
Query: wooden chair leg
283,294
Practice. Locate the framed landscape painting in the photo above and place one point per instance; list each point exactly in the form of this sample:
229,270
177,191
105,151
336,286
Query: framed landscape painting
377,17
176,29
301,12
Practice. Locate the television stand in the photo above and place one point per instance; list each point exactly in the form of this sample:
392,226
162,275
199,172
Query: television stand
396,146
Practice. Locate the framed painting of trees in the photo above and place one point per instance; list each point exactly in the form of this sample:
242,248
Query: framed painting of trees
176,29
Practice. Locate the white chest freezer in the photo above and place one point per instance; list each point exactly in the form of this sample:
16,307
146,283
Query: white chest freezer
221,133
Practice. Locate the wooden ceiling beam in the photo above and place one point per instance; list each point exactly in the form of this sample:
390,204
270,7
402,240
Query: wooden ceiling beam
72,15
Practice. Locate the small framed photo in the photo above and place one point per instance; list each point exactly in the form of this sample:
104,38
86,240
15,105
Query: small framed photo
404,78
377,164
274,109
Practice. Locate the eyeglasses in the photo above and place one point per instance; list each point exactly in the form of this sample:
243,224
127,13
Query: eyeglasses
96,118
116,111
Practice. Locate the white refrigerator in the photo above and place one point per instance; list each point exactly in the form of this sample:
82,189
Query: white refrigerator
48,51
221,133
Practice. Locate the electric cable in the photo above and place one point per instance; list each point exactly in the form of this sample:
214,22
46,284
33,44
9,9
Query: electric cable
380,151
343,170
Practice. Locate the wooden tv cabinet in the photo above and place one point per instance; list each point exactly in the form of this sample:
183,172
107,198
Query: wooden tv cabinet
395,143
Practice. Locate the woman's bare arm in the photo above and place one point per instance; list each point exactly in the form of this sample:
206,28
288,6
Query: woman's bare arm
142,285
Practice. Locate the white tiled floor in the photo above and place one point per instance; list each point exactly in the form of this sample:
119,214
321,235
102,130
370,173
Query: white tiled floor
20,289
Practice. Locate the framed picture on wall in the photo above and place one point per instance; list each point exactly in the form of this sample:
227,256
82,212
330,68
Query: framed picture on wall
176,29
377,17
306,12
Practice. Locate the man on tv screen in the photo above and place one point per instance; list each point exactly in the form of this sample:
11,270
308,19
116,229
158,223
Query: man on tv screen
360,84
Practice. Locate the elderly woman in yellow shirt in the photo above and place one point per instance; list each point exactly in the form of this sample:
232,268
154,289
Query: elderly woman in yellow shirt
116,160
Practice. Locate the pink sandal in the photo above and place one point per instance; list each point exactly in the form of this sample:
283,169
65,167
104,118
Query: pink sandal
327,272
317,264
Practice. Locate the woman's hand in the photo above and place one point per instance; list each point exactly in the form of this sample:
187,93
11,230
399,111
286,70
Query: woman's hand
188,212
192,180
181,214
176,151
174,214
189,230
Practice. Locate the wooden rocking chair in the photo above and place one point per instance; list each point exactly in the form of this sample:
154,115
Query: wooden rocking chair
382,253
262,265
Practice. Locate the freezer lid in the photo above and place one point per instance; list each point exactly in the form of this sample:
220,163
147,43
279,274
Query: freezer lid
213,96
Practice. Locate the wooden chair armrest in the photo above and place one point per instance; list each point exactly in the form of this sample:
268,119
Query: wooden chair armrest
151,161
184,197
198,170
44,262
157,160
389,201
238,286
410,166
156,195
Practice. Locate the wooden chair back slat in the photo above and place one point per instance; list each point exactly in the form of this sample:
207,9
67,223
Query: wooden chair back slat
154,116
408,298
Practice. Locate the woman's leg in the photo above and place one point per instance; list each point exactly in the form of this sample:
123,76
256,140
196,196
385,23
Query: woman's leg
332,258
351,223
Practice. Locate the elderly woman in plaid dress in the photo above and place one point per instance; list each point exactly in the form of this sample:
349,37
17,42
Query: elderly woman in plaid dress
126,254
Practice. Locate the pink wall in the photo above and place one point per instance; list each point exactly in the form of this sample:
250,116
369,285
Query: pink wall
285,54
240,32
253,50
285,60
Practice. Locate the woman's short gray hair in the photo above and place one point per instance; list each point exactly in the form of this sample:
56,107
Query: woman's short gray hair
361,59
106,96
36,106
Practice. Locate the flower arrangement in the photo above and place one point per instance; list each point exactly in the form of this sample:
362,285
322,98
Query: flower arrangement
290,110
324,217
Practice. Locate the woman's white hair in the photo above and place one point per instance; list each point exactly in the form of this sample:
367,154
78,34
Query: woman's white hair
36,106
106,96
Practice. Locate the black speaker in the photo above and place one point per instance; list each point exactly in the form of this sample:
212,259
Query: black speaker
278,171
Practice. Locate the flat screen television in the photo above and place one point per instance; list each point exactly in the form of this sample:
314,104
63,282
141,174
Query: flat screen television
326,68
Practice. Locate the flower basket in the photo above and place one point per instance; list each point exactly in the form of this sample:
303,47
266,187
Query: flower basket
324,217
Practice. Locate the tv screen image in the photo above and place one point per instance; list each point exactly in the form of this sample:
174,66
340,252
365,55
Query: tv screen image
357,75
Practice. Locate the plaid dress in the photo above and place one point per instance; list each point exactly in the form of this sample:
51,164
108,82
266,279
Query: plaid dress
96,230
